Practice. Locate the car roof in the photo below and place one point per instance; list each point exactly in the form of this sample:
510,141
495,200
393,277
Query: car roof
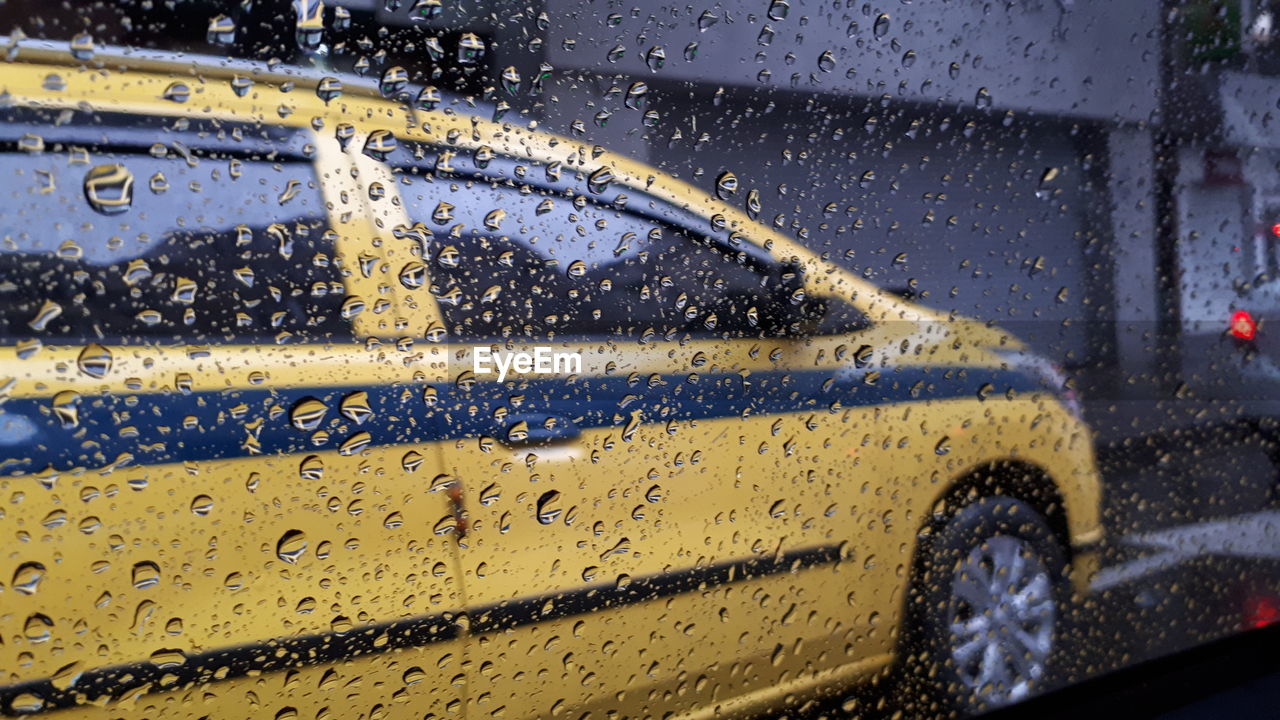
18,48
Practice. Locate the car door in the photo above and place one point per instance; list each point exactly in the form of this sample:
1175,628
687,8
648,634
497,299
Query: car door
218,480
644,528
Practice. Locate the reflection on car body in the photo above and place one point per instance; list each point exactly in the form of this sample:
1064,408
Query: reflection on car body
251,471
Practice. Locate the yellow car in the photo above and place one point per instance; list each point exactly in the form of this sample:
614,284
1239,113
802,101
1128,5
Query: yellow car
320,400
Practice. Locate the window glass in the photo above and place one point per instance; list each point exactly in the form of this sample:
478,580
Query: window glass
599,450
513,262
212,248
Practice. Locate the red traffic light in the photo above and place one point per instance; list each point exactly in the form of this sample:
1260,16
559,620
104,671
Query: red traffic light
1243,326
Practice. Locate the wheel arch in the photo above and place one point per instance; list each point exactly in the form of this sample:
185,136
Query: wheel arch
1018,479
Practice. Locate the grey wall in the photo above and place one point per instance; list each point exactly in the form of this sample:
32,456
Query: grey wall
1087,59
956,203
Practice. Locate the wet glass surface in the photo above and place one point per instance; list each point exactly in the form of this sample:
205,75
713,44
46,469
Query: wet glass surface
431,358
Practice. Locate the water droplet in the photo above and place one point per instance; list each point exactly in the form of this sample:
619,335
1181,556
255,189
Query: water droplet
548,507
881,27
355,406
726,185
443,213
311,468
309,26
178,92
27,703
426,9
352,306
655,58
241,85
329,88
145,575
706,20
622,547
862,356
343,134
54,519
598,181
158,183
168,658
413,275
411,461
202,505
82,47
629,430
1045,189
393,82
109,189
380,144
30,142
222,30
471,49
434,49
428,98
354,444
943,447
489,494
826,61
94,360
753,203
637,95
778,10
511,80
38,628
26,579
184,290
291,546
982,99
48,312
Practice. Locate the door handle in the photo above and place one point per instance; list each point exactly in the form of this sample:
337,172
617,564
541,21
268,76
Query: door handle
538,429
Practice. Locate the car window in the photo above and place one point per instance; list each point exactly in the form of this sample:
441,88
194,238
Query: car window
513,262
166,242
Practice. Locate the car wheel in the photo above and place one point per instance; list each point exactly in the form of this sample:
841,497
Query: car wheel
986,608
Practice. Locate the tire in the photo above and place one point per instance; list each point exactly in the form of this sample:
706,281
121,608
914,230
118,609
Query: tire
973,645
